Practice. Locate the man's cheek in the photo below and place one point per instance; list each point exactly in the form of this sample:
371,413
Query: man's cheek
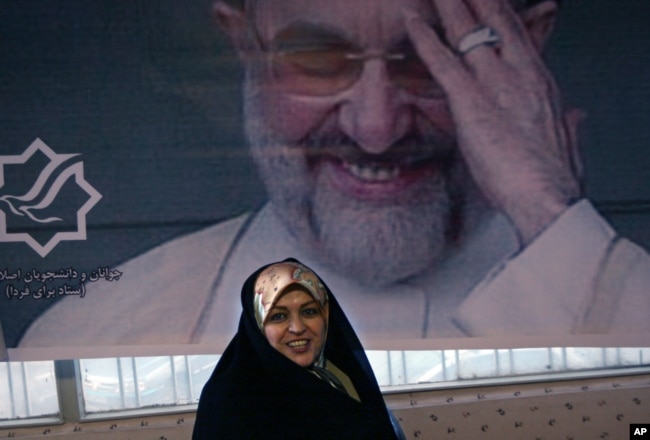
293,117
438,114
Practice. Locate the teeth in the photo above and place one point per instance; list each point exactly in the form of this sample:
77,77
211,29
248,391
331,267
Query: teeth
373,173
300,343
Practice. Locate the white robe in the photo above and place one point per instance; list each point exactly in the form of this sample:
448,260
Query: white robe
578,283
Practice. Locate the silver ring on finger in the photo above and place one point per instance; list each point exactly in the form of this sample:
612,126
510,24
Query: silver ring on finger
481,36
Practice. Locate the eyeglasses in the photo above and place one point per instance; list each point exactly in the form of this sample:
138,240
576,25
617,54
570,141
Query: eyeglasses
328,69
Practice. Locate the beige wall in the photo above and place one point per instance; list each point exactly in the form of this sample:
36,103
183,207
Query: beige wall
596,408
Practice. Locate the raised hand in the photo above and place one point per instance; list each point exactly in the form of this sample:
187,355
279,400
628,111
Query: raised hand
511,129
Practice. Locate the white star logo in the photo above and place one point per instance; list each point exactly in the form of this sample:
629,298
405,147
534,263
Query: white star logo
42,195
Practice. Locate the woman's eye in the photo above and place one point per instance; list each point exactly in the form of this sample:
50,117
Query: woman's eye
276,317
310,311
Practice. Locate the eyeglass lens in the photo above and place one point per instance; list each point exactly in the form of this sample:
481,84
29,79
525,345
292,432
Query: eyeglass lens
328,70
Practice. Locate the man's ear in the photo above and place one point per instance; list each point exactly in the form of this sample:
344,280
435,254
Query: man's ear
539,20
234,22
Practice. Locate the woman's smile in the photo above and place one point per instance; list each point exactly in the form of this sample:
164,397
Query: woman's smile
295,326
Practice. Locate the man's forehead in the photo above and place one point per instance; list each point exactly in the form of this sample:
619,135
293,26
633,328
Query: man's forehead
516,3
358,19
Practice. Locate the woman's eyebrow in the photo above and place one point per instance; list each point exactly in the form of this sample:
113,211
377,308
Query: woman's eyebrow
284,308
301,35
308,303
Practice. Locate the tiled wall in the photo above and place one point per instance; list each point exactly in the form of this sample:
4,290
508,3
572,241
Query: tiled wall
569,410
597,408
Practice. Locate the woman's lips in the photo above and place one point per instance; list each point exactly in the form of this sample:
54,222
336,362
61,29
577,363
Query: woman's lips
299,346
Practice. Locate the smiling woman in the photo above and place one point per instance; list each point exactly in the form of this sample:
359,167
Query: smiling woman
295,364
296,327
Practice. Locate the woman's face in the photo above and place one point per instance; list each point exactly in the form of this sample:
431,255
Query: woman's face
295,326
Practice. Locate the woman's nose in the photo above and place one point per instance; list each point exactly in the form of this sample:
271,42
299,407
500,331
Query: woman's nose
296,326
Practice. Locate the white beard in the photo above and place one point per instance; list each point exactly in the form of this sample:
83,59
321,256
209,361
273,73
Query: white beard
379,245
375,243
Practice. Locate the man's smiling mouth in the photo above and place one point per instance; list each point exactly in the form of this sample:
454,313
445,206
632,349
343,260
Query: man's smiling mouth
391,169
357,173
372,173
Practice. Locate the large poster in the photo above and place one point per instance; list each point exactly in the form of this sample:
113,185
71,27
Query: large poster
459,177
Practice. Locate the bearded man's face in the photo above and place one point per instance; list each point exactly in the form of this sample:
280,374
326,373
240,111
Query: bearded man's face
353,138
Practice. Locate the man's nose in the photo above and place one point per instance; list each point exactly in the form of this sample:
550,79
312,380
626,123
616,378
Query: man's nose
375,113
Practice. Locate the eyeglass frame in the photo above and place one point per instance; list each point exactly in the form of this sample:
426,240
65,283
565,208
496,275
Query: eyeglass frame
357,56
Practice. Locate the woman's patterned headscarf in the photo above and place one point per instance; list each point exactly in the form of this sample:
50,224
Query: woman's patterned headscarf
275,279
